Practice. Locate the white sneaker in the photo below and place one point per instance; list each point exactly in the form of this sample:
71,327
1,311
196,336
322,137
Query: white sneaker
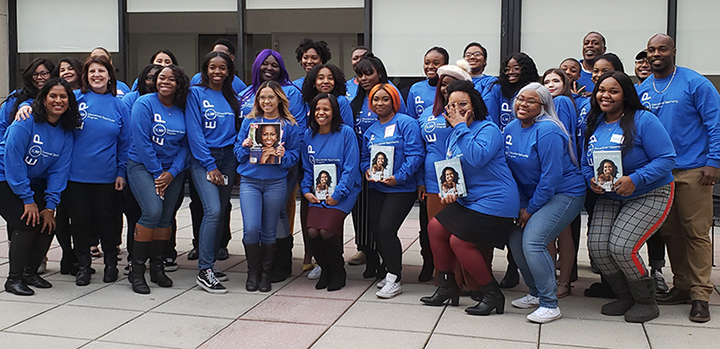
315,273
526,301
391,288
381,283
544,315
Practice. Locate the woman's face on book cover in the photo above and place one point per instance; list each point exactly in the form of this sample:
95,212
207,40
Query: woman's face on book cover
269,136
607,168
324,178
449,176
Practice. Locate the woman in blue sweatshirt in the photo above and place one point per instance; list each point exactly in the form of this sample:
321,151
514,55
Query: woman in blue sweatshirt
468,228
640,201
422,94
542,159
34,78
329,144
390,199
310,53
263,187
34,166
157,158
212,117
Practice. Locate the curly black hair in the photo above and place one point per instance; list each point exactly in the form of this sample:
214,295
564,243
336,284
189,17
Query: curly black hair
528,74
375,159
317,180
442,175
480,110
182,85
309,91
321,47
602,164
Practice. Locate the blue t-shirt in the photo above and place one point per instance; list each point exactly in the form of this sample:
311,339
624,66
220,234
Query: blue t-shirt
689,108
539,159
158,136
293,94
435,133
491,189
290,136
420,98
367,117
36,151
339,149
499,107
102,140
482,82
402,133
5,117
650,161
351,86
585,79
211,124
237,83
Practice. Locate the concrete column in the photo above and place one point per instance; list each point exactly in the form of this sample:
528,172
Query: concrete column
4,73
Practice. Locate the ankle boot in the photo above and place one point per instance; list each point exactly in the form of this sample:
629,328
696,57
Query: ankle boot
428,267
82,278
512,278
267,255
110,273
619,284
141,249
17,286
157,265
335,262
320,254
252,255
372,264
492,299
33,279
447,289
645,307
282,265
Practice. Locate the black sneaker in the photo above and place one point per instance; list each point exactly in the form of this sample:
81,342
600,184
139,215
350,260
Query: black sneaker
220,275
207,280
170,264
126,270
223,254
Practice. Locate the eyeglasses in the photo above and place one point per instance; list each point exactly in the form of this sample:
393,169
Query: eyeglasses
528,102
514,69
642,61
464,105
469,55
44,75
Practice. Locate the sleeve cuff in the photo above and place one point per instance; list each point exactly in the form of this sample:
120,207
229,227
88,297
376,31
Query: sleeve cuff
713,163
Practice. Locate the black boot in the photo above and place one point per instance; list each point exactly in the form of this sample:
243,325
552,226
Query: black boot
267,255
428,267
157,265
512,278
372,263
335,262
447,289
320,254
624,300
252,256
493,298
82,278
17,286
282,265
110,259
32,278
645,307
141,249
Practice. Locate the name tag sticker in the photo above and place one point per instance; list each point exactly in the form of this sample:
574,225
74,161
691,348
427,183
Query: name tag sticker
616,138
390,131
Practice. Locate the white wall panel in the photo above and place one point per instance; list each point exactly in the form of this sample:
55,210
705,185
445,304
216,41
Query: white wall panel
697,30
300,4
135,6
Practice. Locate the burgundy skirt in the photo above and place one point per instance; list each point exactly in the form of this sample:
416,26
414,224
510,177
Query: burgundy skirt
330,219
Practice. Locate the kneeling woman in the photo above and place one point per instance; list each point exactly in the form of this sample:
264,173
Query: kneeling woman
34,167
331,184
263,184
484,217
158,154
540,154
625,218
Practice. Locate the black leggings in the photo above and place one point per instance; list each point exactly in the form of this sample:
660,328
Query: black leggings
386,213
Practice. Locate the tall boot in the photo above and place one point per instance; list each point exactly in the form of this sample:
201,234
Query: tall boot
447,289
372,263
19,254
141,251
334,255
41,244
282,265
426,273
645,307
619,284
320,254
252,255
110,259
493,298
512,278
157,265
82,278
267,255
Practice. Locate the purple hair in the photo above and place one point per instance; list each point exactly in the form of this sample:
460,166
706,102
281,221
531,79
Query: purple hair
284,79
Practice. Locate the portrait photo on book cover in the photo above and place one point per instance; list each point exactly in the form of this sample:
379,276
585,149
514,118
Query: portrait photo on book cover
608,168
450,177
266,138
325,180
381,164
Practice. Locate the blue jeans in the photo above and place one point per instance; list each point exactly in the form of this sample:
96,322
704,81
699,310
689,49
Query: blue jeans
283,229
261,201
215,200
529,245
156,212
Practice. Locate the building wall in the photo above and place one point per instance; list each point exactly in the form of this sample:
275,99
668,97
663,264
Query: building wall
4,52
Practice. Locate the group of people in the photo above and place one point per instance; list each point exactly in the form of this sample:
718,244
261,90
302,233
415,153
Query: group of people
81,148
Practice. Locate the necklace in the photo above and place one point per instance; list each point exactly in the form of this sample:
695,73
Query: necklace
668,85
609,126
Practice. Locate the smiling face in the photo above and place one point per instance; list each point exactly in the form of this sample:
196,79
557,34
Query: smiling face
601,67
325,81
268,100
324,178
367,81
661,54
449,176
98,77
512,70
527,106
162,59
269,135
40,76
382,104
607,168
610,96
56,102
166,84
323,112
433,61
446,80
642,69
270,69
554,83
310,59
593,47
68,73
475,58
381,160
572,69
217,72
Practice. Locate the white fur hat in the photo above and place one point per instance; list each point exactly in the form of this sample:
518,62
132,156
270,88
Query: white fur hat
459,71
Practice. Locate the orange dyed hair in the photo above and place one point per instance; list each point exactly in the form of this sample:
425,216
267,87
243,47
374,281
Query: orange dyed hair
391,90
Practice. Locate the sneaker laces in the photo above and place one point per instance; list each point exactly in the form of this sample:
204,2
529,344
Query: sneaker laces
210,276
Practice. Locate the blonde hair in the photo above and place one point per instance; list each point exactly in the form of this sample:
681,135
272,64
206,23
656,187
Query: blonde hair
282,106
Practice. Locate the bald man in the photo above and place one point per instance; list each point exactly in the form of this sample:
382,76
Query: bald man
688,105
592,48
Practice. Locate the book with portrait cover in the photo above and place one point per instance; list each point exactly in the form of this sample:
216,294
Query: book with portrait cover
381,162
266,138
325,180
450,177
608,168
